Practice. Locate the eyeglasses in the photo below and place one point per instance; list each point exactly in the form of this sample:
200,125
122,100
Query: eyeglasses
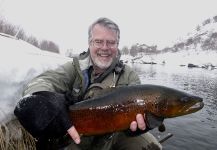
100,43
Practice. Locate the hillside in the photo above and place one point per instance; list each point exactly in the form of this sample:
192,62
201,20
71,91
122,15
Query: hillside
204,37
19,63
196,49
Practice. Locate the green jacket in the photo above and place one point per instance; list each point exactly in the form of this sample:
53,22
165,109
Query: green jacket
71,77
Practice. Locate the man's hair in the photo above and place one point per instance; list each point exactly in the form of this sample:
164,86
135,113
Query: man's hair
107,23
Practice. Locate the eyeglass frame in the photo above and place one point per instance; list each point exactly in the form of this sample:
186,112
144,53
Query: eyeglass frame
103,42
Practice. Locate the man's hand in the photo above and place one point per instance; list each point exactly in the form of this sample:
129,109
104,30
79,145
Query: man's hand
74,135
139,123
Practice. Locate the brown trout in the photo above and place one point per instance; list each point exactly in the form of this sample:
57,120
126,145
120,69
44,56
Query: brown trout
115,110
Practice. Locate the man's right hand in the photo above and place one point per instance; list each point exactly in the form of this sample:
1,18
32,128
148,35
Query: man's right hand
74,134
45,114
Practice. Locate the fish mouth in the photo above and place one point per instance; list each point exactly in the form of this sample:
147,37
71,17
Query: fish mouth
197,106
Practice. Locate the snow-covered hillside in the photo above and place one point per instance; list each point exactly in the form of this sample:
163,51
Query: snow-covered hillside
204,37
198,48
20,62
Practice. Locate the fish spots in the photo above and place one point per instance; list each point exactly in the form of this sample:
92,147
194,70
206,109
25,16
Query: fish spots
112,108
140,102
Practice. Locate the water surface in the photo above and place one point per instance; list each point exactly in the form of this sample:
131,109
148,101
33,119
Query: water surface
195,131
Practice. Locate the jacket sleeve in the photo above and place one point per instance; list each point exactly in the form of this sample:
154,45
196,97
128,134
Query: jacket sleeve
43,111
133,78
59,80
44,114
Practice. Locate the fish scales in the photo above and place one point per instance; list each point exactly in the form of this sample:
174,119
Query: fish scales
115,110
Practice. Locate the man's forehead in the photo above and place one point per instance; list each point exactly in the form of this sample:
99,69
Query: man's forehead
98,27
101,32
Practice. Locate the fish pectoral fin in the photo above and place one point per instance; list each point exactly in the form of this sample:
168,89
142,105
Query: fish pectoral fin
153,121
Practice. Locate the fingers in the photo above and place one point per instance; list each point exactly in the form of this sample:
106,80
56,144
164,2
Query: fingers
133,126
74,134
140,121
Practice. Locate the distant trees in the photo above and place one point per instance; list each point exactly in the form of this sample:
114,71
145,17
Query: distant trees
210,42
125,50
7,28
207,21
134,50
19,33
203,39
215,18
69,53
139,48
49,46
198,28
32,40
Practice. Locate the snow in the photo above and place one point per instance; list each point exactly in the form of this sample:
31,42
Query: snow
199,58
205,31
20,62
192,53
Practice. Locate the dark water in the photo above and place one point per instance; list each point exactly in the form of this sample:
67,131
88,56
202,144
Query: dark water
195,131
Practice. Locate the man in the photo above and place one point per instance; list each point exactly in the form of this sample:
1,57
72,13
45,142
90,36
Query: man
97,69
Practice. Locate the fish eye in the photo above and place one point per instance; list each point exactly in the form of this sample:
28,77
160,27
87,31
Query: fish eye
184,99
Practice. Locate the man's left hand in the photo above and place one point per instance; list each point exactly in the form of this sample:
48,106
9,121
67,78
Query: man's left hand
139,123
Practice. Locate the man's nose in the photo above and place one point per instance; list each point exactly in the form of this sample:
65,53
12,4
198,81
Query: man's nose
105,46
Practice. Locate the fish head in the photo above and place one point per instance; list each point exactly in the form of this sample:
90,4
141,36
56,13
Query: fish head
174,103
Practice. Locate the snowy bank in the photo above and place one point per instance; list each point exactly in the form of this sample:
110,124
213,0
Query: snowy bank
181,58
20,62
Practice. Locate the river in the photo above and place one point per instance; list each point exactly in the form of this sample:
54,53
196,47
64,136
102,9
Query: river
194,131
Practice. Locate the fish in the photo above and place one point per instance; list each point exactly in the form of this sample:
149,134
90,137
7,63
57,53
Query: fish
114,110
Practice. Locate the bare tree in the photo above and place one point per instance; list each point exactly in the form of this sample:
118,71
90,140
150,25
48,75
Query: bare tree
215,18
20,34
9,29
134,50
17,31
1,24
49,46
69,53
125,50
32,40
207,21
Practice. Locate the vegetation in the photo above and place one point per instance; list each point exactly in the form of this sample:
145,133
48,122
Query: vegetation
201,39
18,32
207,40
139,48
